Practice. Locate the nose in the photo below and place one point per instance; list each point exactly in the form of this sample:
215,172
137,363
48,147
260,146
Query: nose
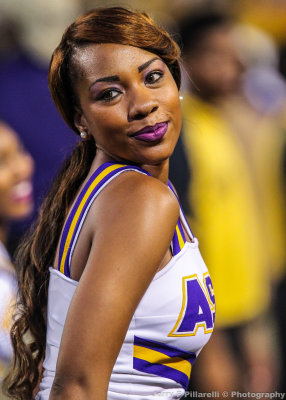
142,103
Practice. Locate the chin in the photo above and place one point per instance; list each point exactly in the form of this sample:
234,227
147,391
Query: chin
21,213
156,155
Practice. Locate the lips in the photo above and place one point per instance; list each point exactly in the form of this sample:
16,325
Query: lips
152,133
22,192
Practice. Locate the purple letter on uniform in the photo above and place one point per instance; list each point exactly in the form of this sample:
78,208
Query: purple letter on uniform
197,309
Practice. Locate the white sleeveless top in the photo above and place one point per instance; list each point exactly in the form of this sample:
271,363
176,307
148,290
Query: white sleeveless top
171,324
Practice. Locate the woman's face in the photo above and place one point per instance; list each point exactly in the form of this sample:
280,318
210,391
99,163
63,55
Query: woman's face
16,169
129,102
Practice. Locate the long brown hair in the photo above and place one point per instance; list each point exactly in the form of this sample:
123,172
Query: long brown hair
37,251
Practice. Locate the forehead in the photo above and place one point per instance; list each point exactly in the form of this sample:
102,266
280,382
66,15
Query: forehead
110,59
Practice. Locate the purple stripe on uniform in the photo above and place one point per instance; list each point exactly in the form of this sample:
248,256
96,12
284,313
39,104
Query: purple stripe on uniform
176,246
161,370
164,348
66,265
181,230
175,240
172,188
65,234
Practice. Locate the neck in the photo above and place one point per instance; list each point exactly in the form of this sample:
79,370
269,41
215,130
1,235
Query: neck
159,171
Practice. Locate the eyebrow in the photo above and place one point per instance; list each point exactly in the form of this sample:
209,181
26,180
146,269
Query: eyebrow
146,64
115,78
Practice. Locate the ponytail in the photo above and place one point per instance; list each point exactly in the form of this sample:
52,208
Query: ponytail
33,259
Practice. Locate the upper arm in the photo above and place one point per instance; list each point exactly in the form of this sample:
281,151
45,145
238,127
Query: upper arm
135,221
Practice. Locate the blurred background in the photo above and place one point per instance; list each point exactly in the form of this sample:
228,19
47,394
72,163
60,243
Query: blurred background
229,166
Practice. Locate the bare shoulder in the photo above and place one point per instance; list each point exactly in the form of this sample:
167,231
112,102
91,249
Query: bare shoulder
136,193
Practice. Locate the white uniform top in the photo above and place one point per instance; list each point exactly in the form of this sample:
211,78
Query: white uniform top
171,324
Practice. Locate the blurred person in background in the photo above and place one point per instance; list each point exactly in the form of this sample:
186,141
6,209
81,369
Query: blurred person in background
262,132
231,166
16,203
25,101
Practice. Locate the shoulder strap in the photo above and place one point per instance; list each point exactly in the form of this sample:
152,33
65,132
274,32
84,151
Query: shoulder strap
179,238
100,178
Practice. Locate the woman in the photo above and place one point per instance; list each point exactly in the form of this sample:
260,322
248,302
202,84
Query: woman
121,322
16,203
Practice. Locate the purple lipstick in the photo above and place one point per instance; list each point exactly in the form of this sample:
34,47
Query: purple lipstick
152,133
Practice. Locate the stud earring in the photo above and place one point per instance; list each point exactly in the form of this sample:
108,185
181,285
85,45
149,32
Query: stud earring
83,135
181,97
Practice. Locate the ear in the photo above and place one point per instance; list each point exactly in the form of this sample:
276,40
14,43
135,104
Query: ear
80,121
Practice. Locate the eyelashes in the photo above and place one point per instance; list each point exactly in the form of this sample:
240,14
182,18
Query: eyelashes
112,93
154,77
109,94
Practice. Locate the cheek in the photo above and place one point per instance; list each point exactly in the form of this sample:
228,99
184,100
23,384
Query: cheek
102,122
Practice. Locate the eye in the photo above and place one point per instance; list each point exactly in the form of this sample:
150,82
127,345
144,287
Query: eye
154,77
109,94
